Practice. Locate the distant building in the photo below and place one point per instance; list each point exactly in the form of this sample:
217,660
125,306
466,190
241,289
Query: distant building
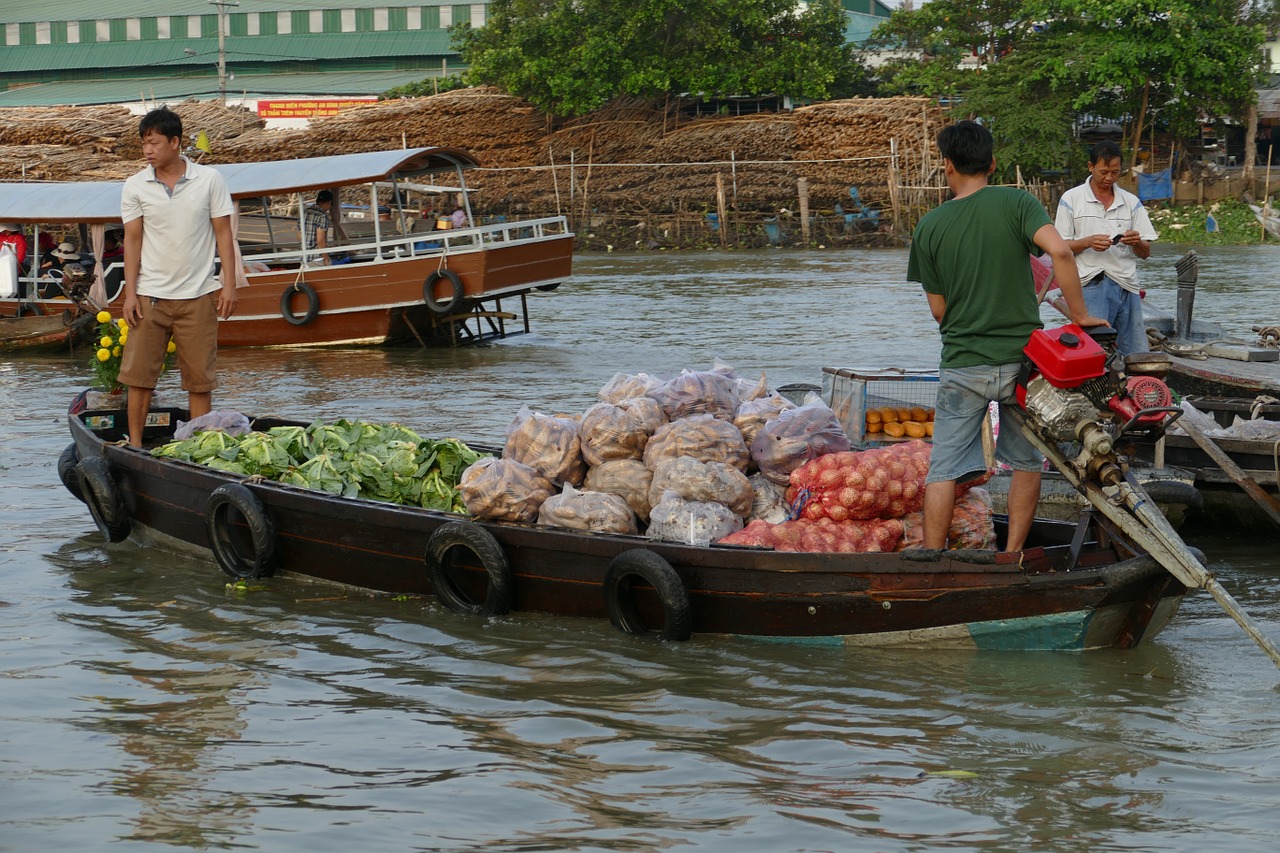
861,17
276,52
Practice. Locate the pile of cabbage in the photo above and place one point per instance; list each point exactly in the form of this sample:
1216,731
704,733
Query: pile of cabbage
384,462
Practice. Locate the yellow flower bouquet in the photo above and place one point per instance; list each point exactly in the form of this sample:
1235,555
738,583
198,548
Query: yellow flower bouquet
112,337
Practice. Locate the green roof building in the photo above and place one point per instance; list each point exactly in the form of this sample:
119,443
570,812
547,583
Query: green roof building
123,51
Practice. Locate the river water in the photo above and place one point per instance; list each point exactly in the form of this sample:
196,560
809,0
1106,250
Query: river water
145,705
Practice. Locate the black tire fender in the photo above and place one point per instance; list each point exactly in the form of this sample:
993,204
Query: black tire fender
103,497
647,566
455,295
218,523
67,463
286,304
469,536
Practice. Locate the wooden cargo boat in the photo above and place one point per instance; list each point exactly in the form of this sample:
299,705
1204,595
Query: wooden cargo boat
1077,586
392,275
39,332
1227,505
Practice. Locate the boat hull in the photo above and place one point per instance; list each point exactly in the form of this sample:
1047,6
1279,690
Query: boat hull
38,333
1039,599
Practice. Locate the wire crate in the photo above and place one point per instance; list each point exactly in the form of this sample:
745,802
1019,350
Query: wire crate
851,392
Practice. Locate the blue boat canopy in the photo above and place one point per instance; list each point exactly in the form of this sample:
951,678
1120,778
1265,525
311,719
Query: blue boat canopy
99,201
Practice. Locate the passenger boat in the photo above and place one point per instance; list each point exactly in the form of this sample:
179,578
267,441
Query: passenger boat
1227,506
1076,586
390,275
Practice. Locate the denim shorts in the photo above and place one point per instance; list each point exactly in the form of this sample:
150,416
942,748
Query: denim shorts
963,395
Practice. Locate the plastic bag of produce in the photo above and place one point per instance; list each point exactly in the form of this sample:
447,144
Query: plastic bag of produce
971,524
626,478
698,392
611,432
692,522
702,481
885,482
547,443
752,415
795,437
624,386
704,437
503,490
232,423
596,511
647,410
770,502
821,536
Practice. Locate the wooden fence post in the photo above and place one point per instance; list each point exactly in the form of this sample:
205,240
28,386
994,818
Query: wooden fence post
720,211
803,186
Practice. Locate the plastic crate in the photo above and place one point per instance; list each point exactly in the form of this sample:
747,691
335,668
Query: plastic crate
850,392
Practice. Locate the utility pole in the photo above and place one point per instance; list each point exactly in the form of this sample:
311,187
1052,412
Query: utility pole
222,5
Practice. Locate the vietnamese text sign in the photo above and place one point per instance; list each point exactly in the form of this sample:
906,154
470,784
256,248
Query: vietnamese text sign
307,108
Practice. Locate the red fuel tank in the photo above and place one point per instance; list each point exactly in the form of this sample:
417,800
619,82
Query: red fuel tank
1066,356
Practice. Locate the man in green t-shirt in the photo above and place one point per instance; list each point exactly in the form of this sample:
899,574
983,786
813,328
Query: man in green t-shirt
971,255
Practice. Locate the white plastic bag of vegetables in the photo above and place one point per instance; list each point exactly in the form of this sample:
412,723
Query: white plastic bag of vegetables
597,511
752,415
796,436
611,432
547,443
674,519
624,386
503,490
703,437
702,481
698,392
646,410
626,478
770,501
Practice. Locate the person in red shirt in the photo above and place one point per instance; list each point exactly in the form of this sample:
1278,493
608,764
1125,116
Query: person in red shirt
11,235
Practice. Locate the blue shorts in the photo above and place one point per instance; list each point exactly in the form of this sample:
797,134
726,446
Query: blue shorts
1122,309
963,395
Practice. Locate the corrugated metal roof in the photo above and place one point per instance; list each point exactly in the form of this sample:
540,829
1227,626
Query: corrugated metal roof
169,53
174,89
99,201
19,11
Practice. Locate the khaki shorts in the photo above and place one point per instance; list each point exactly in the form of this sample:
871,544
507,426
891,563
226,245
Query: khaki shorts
193,325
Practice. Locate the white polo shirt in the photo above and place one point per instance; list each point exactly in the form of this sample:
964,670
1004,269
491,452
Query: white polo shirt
1080,214
178,243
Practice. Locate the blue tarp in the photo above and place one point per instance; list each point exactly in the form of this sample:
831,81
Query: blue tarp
1155,186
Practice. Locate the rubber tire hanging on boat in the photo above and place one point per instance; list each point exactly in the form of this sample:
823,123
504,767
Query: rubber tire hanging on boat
218,525
103,497
480,542
429,292
67,463
623,570
286,304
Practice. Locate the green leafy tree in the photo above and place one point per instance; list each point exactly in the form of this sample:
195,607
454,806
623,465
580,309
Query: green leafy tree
422,88
1031,68
569,57
1177,62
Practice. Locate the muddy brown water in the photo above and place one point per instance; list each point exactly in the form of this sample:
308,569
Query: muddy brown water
148,707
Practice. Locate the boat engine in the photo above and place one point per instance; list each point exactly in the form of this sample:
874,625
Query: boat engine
1074,386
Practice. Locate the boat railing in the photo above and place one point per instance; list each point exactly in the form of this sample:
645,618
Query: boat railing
396,246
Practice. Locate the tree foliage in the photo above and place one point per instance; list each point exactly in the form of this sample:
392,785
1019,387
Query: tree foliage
1031,68
569,57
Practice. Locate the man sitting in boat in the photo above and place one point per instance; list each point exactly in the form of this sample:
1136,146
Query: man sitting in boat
316,223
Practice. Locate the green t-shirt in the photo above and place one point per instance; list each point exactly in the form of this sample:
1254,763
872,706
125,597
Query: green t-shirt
975,253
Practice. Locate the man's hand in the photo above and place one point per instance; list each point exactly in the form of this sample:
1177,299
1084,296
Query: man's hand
1087,321
227,300
1099,242
132,311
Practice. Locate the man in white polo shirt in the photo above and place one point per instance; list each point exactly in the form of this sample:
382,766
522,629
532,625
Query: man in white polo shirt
176,215
1108,230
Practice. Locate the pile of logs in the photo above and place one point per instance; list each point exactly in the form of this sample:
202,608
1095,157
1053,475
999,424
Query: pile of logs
630,157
